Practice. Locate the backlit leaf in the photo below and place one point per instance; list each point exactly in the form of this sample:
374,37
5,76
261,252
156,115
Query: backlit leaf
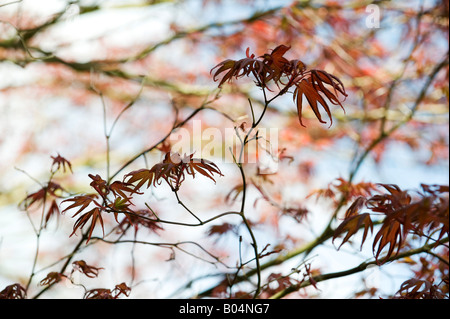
88,270
82,202
390,234
121,189
141,176
94,215
317,86
352,225
60,161
305,88
14,291
51,278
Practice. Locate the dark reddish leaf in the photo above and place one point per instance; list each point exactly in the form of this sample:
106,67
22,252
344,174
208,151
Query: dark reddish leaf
222,67
141,176
353,190
51,278
319,77
101,293
277,58
282,282
141,217
60,161
82,201
297,213
306,88
355,207
46,194
277,63
38,198
14,291
220,229
202,166
83,267
121,289
420,289
52,211
99,185
390,234
349,190
94,215
352,226
121,189
173,168
121,206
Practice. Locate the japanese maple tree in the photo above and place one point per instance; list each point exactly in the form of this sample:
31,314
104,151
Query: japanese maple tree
119,173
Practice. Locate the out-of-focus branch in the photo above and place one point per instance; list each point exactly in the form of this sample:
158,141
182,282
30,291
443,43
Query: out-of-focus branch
385,134
182,34
361,267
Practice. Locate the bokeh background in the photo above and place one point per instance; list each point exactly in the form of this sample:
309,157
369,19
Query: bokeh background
69,68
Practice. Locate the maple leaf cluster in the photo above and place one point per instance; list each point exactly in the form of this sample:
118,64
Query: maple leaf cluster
341,190
420,289
404,215
107,198
17,292
313,84
103,293
173,169
51,192
425,215
116,197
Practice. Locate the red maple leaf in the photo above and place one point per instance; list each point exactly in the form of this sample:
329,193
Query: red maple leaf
317,86
60,161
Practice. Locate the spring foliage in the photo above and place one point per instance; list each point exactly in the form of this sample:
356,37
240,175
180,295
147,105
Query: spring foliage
108,192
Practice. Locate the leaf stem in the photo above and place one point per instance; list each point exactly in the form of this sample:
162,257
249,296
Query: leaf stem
187,209
244,187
